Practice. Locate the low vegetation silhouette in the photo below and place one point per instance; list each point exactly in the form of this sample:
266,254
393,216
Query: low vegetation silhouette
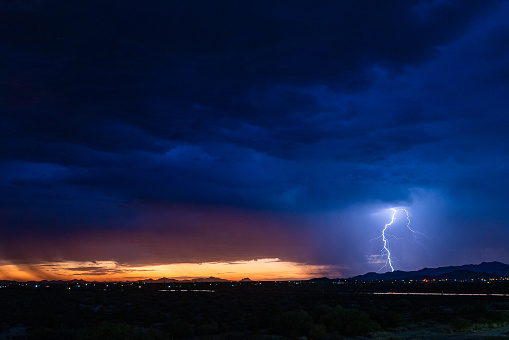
315,309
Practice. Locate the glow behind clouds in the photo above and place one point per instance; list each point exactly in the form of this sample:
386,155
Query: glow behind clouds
260,269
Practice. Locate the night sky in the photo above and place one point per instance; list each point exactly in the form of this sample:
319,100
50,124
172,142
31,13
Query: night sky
261,139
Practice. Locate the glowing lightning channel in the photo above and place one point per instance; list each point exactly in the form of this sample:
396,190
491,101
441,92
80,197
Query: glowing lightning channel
385,250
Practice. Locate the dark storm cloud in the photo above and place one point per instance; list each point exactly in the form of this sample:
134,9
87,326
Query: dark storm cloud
182,70
301,107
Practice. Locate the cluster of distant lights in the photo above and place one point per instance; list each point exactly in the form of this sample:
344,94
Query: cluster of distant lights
435,280
234,284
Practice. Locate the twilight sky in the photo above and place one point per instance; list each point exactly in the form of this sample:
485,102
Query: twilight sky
266,139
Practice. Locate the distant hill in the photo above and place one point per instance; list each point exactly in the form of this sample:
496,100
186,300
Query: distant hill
161,280
323,280
167,280
210,279
466,272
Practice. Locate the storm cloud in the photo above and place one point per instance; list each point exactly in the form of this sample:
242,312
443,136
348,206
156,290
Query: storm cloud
305,117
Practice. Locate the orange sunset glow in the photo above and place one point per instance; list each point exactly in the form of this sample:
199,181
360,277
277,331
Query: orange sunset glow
258,270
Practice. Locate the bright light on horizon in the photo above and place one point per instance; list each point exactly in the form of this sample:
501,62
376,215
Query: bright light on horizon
256,270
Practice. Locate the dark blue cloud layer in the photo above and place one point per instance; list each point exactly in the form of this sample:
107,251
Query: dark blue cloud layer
277,106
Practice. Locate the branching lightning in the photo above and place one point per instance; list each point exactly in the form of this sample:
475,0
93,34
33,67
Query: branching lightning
385,250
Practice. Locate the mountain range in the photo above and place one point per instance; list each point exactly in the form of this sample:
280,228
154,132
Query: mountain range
485,270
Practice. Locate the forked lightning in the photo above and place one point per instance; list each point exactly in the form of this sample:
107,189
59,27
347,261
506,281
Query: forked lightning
385,249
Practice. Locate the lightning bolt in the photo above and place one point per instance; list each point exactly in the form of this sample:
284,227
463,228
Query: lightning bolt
385,249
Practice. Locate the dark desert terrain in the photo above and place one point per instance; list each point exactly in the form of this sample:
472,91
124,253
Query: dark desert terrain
314,309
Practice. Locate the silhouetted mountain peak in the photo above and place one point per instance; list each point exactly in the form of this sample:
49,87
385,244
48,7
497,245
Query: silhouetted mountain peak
465,272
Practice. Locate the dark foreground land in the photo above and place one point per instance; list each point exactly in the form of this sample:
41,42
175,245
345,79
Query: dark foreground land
255,310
